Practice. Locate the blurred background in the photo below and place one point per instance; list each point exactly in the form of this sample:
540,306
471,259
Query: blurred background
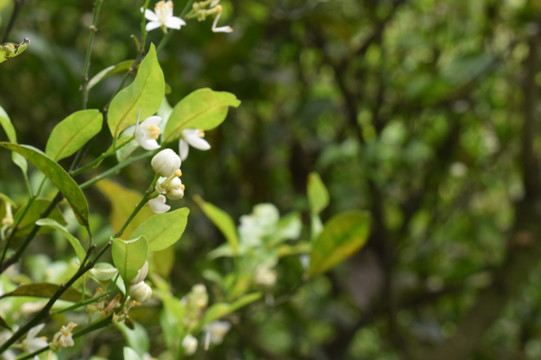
423,112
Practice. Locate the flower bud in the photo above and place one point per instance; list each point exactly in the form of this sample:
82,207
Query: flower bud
265,276
166,162
158,205
141,274
189,344
175,189
141,292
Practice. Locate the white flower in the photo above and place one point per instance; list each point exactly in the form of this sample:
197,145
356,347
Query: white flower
8,354
162,16
171,187
32,343
215,332
193,137
63,338
166,162
189,344
141,292
141,274
265,276
224,29
147,132
158,205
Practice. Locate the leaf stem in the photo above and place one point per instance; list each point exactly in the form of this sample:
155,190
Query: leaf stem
93,30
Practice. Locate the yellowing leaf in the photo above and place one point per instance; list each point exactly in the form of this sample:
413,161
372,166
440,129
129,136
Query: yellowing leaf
10,50
342,236
123,202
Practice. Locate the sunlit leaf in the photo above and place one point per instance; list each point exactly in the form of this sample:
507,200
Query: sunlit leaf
123,201
74,242
342,236
202,109
144,94
163,230
72,133
10,50
58,176
222,221
129,256
44,290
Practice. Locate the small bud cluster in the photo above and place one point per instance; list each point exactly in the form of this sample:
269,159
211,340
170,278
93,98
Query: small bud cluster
202,9
166,163
139,290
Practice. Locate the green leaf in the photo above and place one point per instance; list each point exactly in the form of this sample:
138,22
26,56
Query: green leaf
318,196
342,236
72,133
220,310
44,290
123,202
129,256
136,338
163,230
33,213
202,109
108,71
222,221
58,176
17,158
145,93
10,50
79,250
130,354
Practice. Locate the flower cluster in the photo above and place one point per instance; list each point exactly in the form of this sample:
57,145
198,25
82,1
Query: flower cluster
63,338
166,164
202,9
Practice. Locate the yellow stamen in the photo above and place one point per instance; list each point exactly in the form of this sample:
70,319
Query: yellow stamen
182,187
178,173
153,131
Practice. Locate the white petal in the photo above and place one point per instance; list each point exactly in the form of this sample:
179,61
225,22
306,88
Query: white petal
153,120
174,22
216,29
198,142
150,15
183,149
158,204
148,144
34,331
152,25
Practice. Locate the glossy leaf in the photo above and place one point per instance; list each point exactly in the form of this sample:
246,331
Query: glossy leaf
123,201
129,256
44,290
58,176
220,310
202,109
10,50
342,236
108,71
222,221
17,158
163,230
145,94
74,242
72,133
318,196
